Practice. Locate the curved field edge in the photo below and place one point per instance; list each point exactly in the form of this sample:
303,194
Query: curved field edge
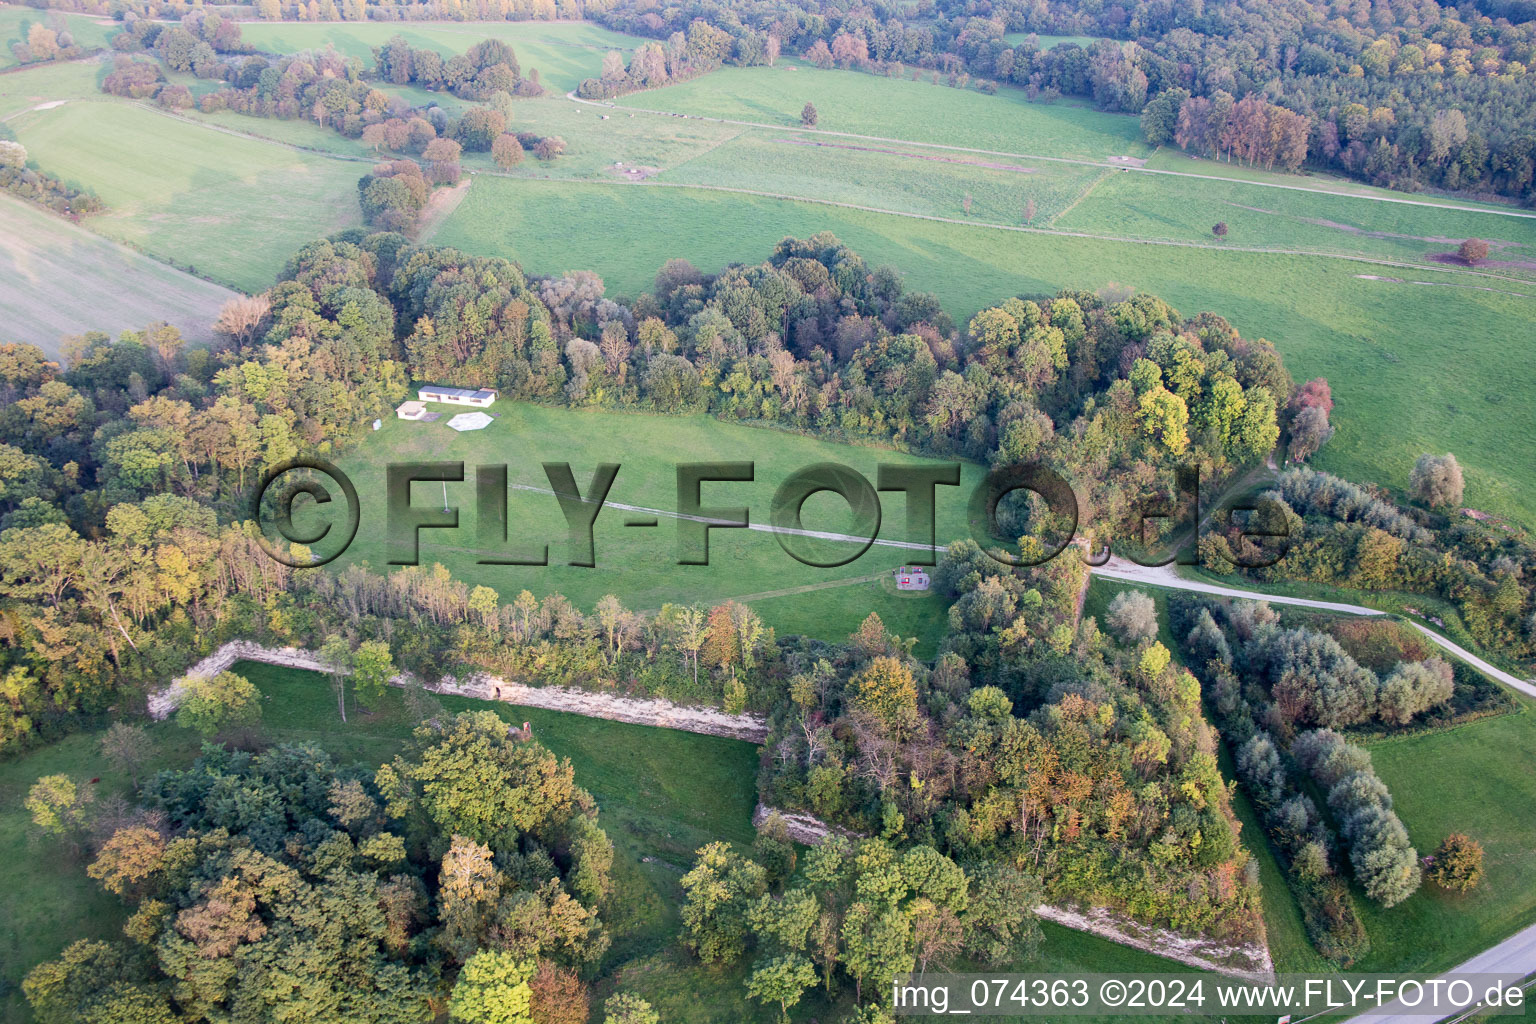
1385,347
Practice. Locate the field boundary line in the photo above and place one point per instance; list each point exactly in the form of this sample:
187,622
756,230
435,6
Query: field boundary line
785,197
1520,214
1095,183
1173,243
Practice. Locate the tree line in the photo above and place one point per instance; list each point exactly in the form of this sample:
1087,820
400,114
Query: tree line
1344,534
1426,96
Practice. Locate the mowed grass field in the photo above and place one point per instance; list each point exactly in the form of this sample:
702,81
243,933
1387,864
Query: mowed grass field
232,208
639,564
47,263
1475,779
564,53
1161,206
901,109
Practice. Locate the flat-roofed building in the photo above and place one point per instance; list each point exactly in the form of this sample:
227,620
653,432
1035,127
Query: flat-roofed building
458,396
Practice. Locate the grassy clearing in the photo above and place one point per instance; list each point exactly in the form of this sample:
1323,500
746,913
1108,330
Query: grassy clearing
1157,206
23,90
902,179
564,53
821,613
640,564
232,208
1475,779
44,259
867,105
1382,346
1047,42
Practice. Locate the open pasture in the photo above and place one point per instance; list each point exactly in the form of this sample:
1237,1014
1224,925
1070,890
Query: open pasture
1184,209
1471,779
21,90
232,208
61,279
900,108
902,179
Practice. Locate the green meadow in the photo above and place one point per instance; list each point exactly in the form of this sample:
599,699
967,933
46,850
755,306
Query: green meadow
640,564
899,108
44,259
1048,41
1184,209
226,207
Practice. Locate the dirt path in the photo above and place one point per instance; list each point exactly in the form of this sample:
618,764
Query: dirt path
614,707
1165,576
1442,284
440,206
807,588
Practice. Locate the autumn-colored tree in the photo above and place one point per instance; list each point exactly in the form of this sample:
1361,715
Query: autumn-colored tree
507,151
1473,251
1458,863
886,691
128,859
559,997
